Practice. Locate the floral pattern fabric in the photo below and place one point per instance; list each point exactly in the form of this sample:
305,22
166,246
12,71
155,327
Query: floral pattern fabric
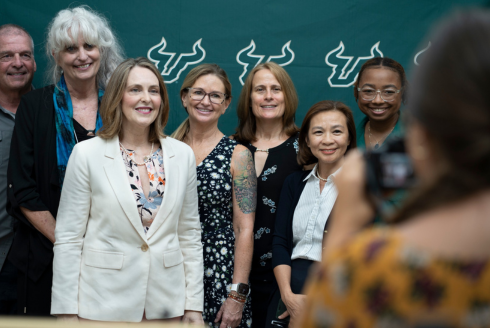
214,188
280,163
147,206
379,281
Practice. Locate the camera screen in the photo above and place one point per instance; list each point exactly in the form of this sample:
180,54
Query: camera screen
396,170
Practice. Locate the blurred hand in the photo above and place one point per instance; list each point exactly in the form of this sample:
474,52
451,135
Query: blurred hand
67,317
193,317
294,304
352,210
230,314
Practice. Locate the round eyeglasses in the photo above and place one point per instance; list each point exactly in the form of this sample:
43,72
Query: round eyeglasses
215,97
387,95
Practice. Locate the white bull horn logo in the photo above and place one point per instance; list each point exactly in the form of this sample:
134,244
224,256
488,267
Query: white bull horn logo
247,58
341,78
157,55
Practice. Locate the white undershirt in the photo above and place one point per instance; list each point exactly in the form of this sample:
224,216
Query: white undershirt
310,216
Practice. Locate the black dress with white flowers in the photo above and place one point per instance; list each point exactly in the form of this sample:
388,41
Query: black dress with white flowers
214,188
280,163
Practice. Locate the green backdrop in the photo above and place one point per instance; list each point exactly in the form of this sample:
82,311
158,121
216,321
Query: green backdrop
321,43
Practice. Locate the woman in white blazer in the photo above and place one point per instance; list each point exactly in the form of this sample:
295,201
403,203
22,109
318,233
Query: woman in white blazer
128,238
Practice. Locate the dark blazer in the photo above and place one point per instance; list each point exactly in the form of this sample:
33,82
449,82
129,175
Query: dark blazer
282,243
33,179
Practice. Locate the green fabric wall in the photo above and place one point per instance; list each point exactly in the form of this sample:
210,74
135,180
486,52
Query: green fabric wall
311,30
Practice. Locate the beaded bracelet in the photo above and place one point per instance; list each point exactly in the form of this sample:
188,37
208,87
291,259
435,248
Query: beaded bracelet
237,298
242,303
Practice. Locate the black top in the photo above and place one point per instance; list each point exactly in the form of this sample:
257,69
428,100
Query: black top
81,132
280,163
33,179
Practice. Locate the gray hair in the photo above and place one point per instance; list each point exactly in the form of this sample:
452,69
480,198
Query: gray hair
67,26
14,29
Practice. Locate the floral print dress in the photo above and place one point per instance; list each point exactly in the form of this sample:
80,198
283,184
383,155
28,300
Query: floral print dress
378,280
280,163
147,206
214,188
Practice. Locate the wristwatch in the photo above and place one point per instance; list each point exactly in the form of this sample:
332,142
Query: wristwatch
241,289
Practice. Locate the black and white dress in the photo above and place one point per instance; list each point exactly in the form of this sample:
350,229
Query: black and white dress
280,163
214,188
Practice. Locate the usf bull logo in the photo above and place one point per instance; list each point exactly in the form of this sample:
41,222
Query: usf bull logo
344,66
249,60
170,67
416,59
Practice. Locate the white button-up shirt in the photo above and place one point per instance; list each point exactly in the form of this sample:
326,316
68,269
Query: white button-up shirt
310,216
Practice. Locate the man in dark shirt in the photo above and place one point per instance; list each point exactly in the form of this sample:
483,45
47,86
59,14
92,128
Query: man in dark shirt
17,67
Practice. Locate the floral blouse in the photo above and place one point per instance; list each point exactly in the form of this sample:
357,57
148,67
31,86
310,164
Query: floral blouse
147,206
379,281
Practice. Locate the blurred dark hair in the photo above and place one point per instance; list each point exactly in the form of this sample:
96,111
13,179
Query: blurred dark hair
305,157
451,99
384,62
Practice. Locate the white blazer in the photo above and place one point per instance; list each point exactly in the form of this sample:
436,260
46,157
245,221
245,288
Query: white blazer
105,267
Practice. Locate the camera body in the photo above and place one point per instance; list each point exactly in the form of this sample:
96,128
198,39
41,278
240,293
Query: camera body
389,169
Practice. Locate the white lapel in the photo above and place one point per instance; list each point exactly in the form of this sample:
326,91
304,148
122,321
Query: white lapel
172,185
116,173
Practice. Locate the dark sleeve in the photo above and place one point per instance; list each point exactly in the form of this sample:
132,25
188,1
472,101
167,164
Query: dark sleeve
281,241
23,189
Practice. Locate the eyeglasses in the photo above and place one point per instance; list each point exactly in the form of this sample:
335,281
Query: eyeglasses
215,97
387,95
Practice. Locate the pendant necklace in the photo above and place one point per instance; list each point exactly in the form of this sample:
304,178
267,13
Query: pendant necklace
376,146
145,159
264,150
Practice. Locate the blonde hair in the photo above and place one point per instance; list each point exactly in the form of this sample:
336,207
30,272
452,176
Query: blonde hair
245,132
190,79
110,108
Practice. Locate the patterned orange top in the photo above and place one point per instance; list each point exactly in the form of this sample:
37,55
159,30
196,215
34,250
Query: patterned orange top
380,281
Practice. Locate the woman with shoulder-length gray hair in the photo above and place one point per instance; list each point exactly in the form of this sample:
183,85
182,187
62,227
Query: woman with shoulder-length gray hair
50,121
94,29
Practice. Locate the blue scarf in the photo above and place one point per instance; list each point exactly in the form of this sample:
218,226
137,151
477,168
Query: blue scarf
65,138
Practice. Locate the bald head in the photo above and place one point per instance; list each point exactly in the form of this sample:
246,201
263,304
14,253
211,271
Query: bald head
13,29
17,64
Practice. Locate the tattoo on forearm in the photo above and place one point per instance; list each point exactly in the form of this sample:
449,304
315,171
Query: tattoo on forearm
245,183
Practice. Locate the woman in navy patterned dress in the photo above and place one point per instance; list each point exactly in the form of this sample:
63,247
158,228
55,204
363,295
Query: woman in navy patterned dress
266,112
227,185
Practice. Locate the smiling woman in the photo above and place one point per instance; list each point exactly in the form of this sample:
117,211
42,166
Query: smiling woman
266,110
227,186
307,199
124,211
380,89
49,123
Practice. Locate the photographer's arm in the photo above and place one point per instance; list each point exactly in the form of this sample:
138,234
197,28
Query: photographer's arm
352,209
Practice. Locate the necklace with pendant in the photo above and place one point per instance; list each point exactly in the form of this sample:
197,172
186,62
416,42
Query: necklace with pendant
145,159
264,150
376,146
